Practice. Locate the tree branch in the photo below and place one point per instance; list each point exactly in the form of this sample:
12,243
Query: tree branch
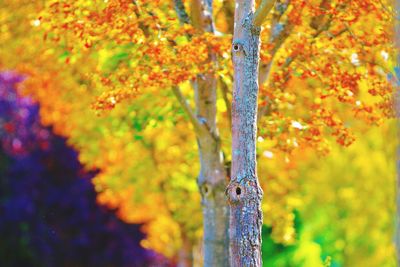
181,12
187,109
145,29
201,15
224,90
316,22
277,38
264,69
278,41
262,11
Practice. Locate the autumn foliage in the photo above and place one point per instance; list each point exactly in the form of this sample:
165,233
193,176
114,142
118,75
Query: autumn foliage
103,71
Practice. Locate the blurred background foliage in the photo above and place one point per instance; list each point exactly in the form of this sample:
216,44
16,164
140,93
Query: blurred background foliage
348,202
49,214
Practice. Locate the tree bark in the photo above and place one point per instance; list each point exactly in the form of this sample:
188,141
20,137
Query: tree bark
212,179
243,192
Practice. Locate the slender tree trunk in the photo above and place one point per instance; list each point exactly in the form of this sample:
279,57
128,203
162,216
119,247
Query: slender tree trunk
212,179
213,176
244,192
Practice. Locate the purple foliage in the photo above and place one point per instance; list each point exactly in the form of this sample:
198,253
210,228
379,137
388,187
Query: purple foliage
48,212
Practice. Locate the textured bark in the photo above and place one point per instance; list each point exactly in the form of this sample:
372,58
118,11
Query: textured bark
244,193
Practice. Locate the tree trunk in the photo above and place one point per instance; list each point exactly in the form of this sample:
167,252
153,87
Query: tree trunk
212,178
244,192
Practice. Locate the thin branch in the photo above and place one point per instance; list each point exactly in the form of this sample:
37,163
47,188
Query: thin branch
145,28
277,40
181,12
262,12
224,90
281,7
354,36
338,33
324,27
265,69
317,20
187,109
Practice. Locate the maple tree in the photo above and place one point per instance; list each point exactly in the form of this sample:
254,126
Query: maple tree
321,62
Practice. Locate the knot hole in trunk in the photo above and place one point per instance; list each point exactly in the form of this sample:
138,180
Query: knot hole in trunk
205,189
238,191
235,193
237,47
